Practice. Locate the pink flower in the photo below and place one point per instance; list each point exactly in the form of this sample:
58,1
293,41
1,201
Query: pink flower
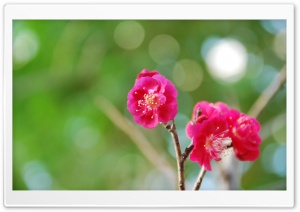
244,132
239,131
209,132
210,139
152,99
207,110
222,108
146,73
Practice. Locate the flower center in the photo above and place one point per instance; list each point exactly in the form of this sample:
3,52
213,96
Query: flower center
151,101
216,144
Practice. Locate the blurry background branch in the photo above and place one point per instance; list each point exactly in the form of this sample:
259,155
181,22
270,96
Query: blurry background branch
268,93
139,139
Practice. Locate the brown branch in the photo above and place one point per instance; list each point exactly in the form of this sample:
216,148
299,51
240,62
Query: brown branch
186,153
267,94
180,165
137,137
199,179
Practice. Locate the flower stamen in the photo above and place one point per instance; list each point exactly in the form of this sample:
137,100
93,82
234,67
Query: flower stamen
151,101
216,144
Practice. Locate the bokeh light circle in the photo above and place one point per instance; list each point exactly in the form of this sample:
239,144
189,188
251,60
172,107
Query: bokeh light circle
25,47
164,49
36,176
227,60
274,159
274,26
187,74
129,34
279,44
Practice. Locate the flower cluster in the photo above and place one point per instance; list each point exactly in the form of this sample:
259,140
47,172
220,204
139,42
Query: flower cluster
152,99
216,127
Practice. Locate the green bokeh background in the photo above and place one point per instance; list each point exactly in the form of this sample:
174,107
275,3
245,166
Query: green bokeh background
63,141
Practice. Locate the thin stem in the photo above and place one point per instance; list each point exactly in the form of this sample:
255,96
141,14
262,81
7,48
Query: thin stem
186,153
180,165
199,179
267,94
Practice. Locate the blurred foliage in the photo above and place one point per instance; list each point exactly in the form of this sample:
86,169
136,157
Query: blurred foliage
62,140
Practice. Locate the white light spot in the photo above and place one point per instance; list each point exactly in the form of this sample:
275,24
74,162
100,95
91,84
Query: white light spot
129,34
227,60
25,47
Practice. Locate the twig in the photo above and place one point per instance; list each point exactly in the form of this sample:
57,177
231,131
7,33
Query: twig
199,179
268,93
135,134
186,153
180,165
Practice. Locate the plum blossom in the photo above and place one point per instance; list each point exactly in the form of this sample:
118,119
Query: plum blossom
209,133
210,140
239,131
244,132
204,110
152,99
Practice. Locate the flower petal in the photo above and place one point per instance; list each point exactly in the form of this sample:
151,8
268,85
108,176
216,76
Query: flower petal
222,108
197,155
248,155
170,90
134,96
202,107
147,83
206,162
167,112
149,120
147,73
189,129
231,117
